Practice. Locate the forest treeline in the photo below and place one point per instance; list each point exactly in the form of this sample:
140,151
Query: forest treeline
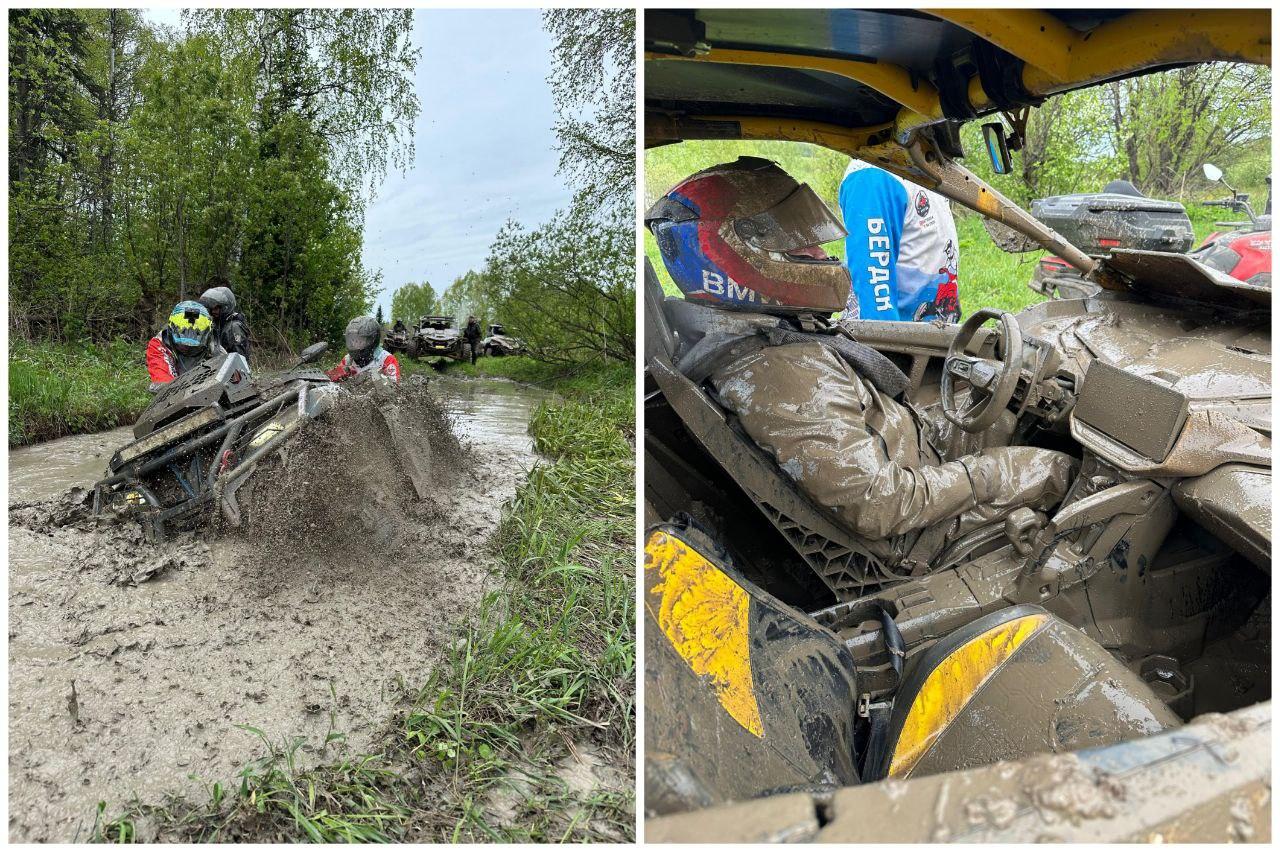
143,162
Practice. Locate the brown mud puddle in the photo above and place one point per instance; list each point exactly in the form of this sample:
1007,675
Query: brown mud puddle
133,668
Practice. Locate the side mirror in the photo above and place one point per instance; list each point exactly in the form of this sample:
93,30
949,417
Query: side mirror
997,148
313,352
1212,172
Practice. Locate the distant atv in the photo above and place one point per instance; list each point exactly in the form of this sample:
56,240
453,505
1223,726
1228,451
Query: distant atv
203,436
438,336
396,339
500,343
1101,222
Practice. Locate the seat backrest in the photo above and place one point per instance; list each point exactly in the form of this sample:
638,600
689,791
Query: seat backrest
845,563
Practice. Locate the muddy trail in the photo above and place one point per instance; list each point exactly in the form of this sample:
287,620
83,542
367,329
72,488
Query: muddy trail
138,670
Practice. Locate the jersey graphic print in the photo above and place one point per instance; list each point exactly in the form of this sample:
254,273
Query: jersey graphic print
902,248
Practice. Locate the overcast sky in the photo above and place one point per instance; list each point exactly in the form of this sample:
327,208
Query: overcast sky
484,147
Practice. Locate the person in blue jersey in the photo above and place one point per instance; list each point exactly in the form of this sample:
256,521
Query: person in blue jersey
902,248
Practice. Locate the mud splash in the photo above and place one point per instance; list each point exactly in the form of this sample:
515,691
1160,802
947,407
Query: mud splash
134,669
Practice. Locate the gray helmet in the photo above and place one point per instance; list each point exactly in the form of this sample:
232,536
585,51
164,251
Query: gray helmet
220,297
363,335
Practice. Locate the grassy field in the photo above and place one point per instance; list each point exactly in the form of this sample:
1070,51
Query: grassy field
546,670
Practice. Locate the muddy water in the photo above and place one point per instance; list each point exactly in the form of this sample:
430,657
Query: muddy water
132,670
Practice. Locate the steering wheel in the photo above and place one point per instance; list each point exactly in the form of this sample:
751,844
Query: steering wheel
992,381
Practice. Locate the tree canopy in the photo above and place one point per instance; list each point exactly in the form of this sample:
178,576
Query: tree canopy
412,301
143,163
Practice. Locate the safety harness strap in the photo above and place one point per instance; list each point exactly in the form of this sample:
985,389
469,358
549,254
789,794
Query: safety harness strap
720,349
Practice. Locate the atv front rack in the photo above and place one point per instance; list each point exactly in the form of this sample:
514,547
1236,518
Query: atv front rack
202,483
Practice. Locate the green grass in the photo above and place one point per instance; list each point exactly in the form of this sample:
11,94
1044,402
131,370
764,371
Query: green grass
545,668
63,389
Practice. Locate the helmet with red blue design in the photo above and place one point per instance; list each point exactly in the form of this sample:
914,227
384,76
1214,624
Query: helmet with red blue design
747,236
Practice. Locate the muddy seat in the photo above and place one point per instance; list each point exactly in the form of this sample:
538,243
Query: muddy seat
846,563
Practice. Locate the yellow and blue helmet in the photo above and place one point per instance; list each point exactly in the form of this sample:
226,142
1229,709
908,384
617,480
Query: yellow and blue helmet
190,327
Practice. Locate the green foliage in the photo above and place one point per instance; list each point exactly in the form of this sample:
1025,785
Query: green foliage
141,165
347,73
64,389
567,288
593,82
468,294
412,301
1155,130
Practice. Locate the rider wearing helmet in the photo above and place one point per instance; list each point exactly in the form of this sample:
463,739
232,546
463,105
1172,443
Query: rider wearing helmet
230,328
185,341
364,354
744,237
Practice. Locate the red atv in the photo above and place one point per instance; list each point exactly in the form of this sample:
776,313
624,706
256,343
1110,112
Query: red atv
1122,218
1242,251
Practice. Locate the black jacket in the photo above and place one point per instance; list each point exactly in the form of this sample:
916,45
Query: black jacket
233,334
473,332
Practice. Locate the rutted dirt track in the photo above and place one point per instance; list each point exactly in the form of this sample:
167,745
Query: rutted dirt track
131,666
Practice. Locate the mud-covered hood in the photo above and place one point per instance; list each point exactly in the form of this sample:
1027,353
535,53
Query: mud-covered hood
1163,276
1218,365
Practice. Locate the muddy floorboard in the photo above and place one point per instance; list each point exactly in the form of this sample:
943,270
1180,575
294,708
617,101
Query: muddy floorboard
132,669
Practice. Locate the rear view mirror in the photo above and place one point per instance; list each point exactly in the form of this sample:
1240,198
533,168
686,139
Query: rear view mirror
313,352
1212,172
997,148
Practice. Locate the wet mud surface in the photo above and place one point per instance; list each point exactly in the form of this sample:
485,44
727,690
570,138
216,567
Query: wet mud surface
133,667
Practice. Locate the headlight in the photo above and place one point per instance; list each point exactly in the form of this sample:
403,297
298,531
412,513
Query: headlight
268,432
172,432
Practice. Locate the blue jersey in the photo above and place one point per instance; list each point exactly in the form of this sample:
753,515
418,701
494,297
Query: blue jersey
902,249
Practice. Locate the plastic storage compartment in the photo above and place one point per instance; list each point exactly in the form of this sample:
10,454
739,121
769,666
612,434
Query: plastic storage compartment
1096,223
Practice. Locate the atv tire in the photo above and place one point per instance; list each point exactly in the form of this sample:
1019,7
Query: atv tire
411,348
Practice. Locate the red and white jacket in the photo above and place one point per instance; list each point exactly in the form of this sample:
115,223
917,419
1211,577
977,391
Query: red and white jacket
162,362
382,361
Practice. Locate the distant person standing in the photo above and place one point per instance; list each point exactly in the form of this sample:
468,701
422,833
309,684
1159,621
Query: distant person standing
230,328
473,334
902,250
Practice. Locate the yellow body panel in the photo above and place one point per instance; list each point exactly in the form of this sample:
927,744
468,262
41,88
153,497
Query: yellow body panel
704,615
950,686
1058,58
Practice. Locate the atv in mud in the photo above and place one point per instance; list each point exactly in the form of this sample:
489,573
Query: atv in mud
439,336
433,336
208,432
396,339
500,343
1098,672
203,435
